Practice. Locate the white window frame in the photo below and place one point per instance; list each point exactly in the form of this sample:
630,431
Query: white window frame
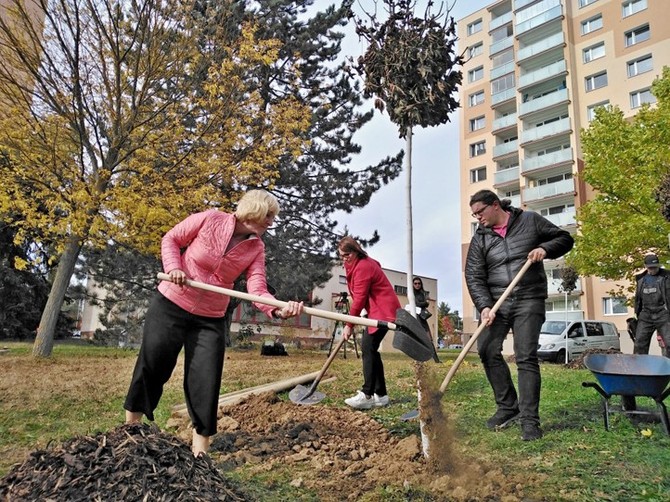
631,7
592,24
475,26
591,110
636,98
477,123
634,68
631,36
613,303
476,74
478,174
476,98
477,149
592,80
476,49
593,52
584,3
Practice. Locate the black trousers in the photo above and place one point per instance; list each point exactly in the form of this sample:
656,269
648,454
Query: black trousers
647,323
168,328
373,368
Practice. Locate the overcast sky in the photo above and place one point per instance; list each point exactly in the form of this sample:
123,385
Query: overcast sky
435,191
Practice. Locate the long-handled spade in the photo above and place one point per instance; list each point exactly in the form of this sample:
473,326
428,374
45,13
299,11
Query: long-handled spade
466,348
410,336
303,395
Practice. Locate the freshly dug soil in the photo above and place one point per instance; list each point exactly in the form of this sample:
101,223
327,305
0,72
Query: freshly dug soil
131,462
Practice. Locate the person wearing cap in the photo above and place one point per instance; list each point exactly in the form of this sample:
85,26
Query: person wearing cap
652,306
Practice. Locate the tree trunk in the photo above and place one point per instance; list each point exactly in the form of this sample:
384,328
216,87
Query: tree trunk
44,340
410,230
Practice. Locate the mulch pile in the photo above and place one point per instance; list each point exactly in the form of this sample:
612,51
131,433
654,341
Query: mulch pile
129,463
578,363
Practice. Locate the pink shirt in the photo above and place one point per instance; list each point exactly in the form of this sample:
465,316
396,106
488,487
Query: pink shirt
204,237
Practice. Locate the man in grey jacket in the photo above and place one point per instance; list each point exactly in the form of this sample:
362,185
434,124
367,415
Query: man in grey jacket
505,238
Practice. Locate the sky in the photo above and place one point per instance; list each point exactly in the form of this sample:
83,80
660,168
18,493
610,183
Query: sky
435,190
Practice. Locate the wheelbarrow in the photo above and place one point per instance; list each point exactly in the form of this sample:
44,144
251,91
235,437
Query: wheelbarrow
630,375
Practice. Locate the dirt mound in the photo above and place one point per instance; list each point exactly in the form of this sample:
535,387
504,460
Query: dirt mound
578,363
132,462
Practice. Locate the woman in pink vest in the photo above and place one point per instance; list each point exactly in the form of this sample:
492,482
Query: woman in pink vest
371,290
216,248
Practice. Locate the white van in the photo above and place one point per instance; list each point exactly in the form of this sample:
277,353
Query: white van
581,336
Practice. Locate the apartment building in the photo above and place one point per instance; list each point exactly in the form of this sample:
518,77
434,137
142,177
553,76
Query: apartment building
535,73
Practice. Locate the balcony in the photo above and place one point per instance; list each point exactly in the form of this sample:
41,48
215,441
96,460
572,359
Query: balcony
561,126
549,190
501,97
504,122
506,176
519,4
540,47
549,160
542,74
546,101
562,219
514,199
501,45
500,20
505,148
539,20
501,70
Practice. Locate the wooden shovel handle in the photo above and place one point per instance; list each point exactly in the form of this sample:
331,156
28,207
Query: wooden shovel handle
481,326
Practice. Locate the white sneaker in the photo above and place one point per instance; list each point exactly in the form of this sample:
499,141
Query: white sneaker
360,401
380,400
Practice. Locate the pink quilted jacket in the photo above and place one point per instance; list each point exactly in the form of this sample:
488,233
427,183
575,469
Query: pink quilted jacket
204,238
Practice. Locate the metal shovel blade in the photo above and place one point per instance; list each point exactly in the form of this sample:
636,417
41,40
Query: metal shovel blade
302,395
410,415
412,339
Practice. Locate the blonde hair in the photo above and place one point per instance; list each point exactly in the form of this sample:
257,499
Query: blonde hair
256,205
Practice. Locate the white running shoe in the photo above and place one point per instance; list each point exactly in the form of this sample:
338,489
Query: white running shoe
360,401
380,400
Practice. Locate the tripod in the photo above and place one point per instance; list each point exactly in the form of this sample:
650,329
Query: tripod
342,306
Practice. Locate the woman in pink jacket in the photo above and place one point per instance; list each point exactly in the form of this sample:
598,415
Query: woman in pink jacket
371,290
215,248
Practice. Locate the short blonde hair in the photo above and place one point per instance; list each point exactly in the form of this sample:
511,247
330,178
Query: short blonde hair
256,205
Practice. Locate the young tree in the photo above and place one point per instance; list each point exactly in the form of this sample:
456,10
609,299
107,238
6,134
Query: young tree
625,161
109,140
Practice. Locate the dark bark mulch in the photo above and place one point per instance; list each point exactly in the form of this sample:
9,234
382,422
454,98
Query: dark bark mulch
129,463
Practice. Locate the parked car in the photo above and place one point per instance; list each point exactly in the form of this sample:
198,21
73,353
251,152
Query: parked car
576,337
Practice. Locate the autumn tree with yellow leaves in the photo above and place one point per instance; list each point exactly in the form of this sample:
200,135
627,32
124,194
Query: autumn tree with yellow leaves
105,139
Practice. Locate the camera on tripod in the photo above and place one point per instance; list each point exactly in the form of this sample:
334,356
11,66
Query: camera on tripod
342,302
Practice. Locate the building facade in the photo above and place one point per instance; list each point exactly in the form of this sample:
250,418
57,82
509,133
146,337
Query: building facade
535,73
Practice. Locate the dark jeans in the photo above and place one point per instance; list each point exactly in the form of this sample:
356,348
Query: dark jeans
647,323
524,318
373,368
168,328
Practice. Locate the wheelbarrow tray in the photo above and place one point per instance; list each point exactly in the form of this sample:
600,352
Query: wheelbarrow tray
630,374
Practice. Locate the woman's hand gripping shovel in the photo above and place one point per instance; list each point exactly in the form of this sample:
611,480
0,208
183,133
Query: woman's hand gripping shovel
410,336
466,348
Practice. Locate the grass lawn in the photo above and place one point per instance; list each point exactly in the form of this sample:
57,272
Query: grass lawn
80,391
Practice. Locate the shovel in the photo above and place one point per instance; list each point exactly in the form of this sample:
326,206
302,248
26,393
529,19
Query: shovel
302,395
414,341
466,348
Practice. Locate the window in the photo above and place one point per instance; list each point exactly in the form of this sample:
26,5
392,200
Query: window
639,98
591,110
592,24
501,33
638,35
477,123
475,27
502,58
594,52
639,65
477,149
476,74
476,50
476,98
400,290
477,175
584,3
554,179
502,84
564,208
596,81
632,6
614,305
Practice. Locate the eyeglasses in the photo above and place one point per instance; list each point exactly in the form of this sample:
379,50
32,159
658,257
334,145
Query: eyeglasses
479,212
417,283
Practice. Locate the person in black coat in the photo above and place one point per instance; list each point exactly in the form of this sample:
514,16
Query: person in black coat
422,302
505,239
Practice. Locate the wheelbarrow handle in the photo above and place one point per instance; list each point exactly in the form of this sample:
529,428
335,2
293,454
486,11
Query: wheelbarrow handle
482,326
335,316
